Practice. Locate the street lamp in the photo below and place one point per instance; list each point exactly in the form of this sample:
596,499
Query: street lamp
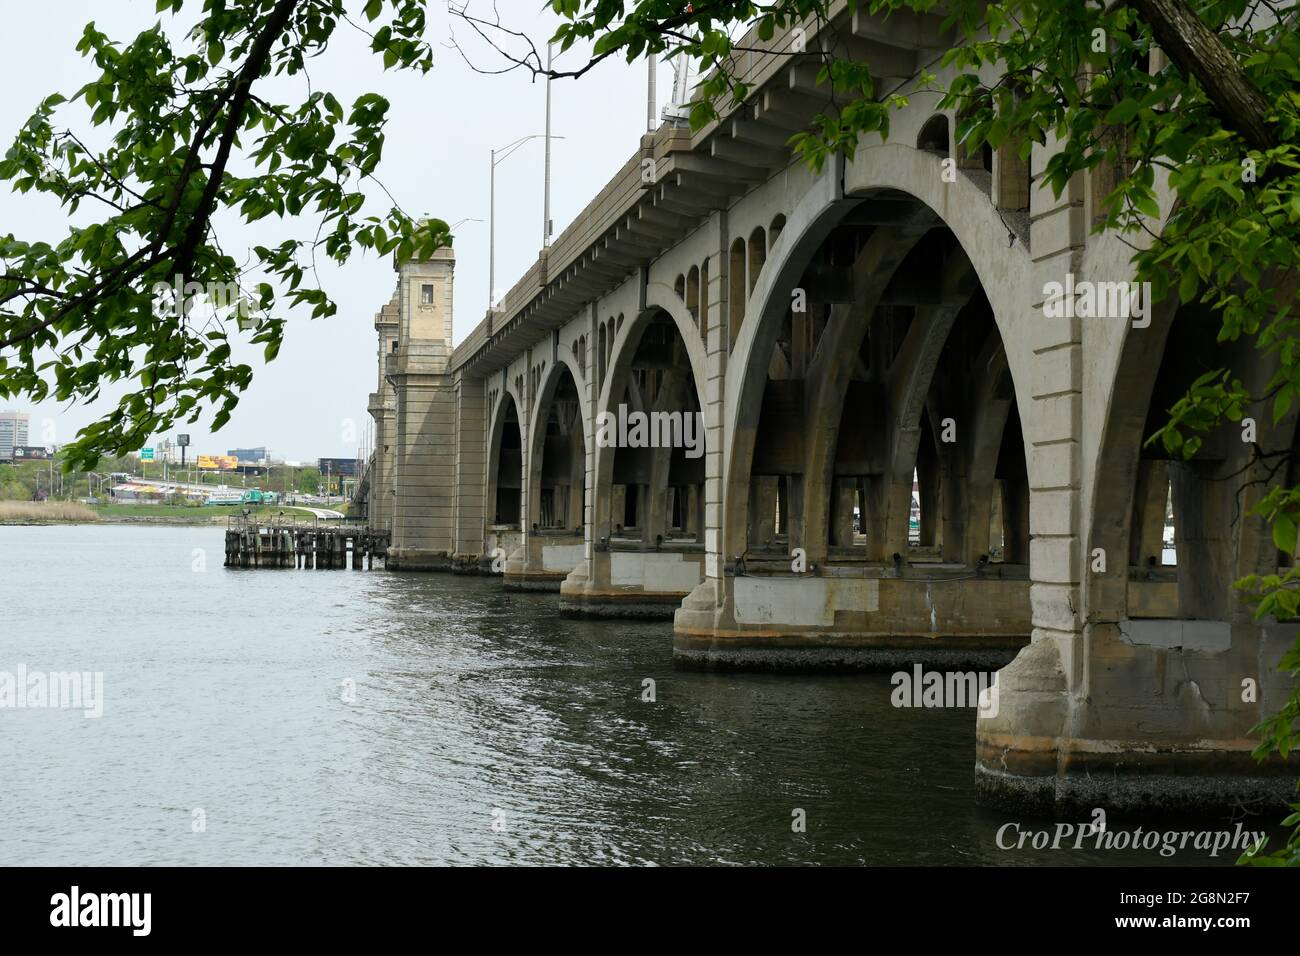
499,156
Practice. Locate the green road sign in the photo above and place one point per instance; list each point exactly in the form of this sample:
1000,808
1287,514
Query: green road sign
146,454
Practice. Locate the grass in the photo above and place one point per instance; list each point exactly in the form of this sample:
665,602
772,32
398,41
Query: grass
51,512
156,511
199,514
45,511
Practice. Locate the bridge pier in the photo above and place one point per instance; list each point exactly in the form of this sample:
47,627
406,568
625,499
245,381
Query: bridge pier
625,581
1149,737
853,618
543,561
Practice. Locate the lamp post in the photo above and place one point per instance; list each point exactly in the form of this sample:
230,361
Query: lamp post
499,156
504,151
546,175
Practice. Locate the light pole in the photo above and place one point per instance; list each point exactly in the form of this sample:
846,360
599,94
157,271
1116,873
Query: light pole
499,156
546,176
651,94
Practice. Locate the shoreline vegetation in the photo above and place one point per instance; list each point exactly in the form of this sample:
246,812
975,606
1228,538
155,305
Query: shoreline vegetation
72,512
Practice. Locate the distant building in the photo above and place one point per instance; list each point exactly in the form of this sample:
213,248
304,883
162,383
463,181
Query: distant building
249,456
13,431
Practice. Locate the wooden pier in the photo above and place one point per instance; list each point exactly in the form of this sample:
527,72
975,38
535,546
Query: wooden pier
306,543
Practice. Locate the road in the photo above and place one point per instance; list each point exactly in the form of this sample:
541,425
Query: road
169,486
318,512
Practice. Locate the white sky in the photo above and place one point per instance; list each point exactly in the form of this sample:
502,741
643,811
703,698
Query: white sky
311,402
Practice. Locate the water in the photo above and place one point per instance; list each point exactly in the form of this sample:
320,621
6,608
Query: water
473,707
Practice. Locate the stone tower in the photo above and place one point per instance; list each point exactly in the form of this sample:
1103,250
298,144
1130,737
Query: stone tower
423,415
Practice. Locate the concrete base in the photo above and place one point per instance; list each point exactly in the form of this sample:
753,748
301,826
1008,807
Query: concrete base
416,559
543,561
608,596
1129,783
852,619
1154,735
826,657
541,581
471,564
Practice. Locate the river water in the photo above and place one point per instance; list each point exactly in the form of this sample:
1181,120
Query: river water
344,717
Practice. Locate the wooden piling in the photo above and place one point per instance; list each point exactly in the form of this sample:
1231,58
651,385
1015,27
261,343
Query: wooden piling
285,543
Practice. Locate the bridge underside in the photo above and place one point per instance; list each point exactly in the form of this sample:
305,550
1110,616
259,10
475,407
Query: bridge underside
882,446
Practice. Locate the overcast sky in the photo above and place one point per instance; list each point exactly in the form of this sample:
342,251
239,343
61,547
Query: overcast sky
311,402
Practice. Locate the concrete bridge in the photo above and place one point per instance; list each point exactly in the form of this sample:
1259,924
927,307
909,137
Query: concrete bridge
840,332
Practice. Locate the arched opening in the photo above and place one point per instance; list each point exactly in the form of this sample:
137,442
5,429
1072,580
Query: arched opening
602,355
757,256
774,231
736,288
703,316
1011,178
507,475
933,137
1189,532
559,467
655,430
693,293
889,431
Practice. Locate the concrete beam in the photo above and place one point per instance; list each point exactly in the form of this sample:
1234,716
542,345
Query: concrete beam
759,134
656,215
680,191
887,62
717,169
904,29
749,154
784,110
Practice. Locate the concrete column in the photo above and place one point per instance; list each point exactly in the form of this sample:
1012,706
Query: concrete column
713,319
1150,499
927,477
471,471
383,408
844,495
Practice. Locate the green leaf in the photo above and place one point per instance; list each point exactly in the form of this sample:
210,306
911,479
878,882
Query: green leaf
1122,112
1284,534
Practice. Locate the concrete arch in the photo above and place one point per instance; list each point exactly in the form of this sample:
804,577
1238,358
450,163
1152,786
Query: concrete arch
631,332
1128,399
625,345
505,400
546,391
960,206
540,412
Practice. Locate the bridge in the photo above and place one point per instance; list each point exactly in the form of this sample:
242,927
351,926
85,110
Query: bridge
914,312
